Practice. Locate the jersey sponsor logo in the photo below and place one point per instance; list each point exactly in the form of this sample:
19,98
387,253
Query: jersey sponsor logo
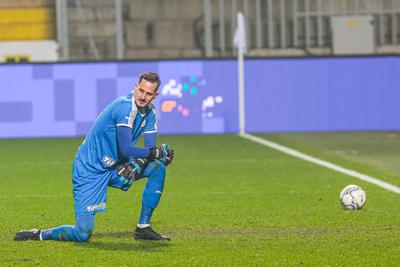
143,123
108,161
96,206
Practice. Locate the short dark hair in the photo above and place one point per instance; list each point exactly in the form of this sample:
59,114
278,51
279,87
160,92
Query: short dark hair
150,77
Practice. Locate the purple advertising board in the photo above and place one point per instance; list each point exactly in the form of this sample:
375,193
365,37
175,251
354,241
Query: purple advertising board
200,96
325,94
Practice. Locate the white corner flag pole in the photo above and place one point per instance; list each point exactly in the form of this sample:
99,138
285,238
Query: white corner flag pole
240,42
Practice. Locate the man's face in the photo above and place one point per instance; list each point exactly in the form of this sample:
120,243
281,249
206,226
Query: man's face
144,93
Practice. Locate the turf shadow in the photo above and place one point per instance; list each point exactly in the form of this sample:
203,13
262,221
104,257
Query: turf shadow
145,246
124,234
129,243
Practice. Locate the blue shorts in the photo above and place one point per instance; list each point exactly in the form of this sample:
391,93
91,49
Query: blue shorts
90,189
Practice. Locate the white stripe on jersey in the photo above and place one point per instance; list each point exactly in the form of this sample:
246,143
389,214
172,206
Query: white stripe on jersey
133,113
124,124
153,108
150,132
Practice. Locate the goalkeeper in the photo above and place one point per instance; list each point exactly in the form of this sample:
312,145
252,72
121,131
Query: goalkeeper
108,157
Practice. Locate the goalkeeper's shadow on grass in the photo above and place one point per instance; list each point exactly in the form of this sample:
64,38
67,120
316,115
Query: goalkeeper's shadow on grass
133,245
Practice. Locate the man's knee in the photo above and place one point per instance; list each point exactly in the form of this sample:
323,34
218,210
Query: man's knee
83,235
159,168
84,227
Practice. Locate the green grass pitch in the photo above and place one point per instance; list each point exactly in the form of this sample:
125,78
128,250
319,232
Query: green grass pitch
227,201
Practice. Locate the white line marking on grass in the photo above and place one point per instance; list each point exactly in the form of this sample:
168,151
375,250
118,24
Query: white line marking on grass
322,163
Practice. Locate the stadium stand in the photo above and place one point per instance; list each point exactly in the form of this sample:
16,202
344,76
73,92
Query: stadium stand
156,29
26,30
27,20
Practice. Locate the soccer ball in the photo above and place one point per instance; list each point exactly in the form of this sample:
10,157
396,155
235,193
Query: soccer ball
352,197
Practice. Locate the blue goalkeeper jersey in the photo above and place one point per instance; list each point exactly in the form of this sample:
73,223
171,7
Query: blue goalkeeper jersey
99,150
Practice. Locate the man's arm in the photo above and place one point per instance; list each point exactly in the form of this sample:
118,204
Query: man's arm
124,136
150,139
150,151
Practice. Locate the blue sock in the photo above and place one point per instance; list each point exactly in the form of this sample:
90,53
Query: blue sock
145,215
79,233
152,193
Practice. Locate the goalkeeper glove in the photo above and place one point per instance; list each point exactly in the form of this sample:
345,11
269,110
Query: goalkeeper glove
163,153
131,170
168,159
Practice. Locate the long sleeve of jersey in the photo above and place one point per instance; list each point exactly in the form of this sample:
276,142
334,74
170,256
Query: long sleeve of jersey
150,139
126,150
